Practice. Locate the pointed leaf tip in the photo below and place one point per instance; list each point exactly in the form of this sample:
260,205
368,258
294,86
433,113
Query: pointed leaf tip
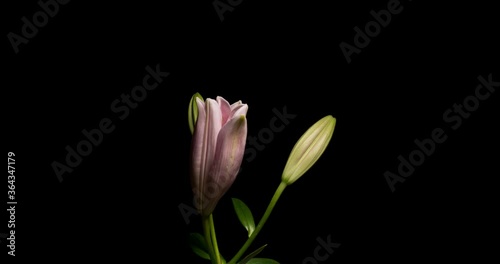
251,256
244,215
198,245
262,261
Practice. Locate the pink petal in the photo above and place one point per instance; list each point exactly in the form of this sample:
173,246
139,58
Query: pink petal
204,144
197,156
236,104
225,109
240,109
226,164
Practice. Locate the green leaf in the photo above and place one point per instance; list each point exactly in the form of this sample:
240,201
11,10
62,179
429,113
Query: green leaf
245,215
193,111
262,261
251,255
198,245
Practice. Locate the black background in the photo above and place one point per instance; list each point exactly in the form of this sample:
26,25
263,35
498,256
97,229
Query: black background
122,200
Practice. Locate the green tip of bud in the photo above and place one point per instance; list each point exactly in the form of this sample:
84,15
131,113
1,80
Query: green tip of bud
193,111
242,119
308,149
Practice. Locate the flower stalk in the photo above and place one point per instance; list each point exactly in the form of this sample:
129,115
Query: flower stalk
261,224
219,132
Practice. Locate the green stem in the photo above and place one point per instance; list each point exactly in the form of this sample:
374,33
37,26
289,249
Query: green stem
214,240
262,221
206,231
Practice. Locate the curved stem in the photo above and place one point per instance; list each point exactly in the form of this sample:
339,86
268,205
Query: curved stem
206,232
214,240
262,221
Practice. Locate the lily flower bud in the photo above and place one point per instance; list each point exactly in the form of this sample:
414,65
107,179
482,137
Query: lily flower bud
217,150
308,149
193,111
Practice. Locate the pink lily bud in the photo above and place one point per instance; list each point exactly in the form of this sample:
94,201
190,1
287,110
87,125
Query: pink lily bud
217,150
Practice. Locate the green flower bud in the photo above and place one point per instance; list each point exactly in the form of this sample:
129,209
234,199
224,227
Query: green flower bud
308,149
193,111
